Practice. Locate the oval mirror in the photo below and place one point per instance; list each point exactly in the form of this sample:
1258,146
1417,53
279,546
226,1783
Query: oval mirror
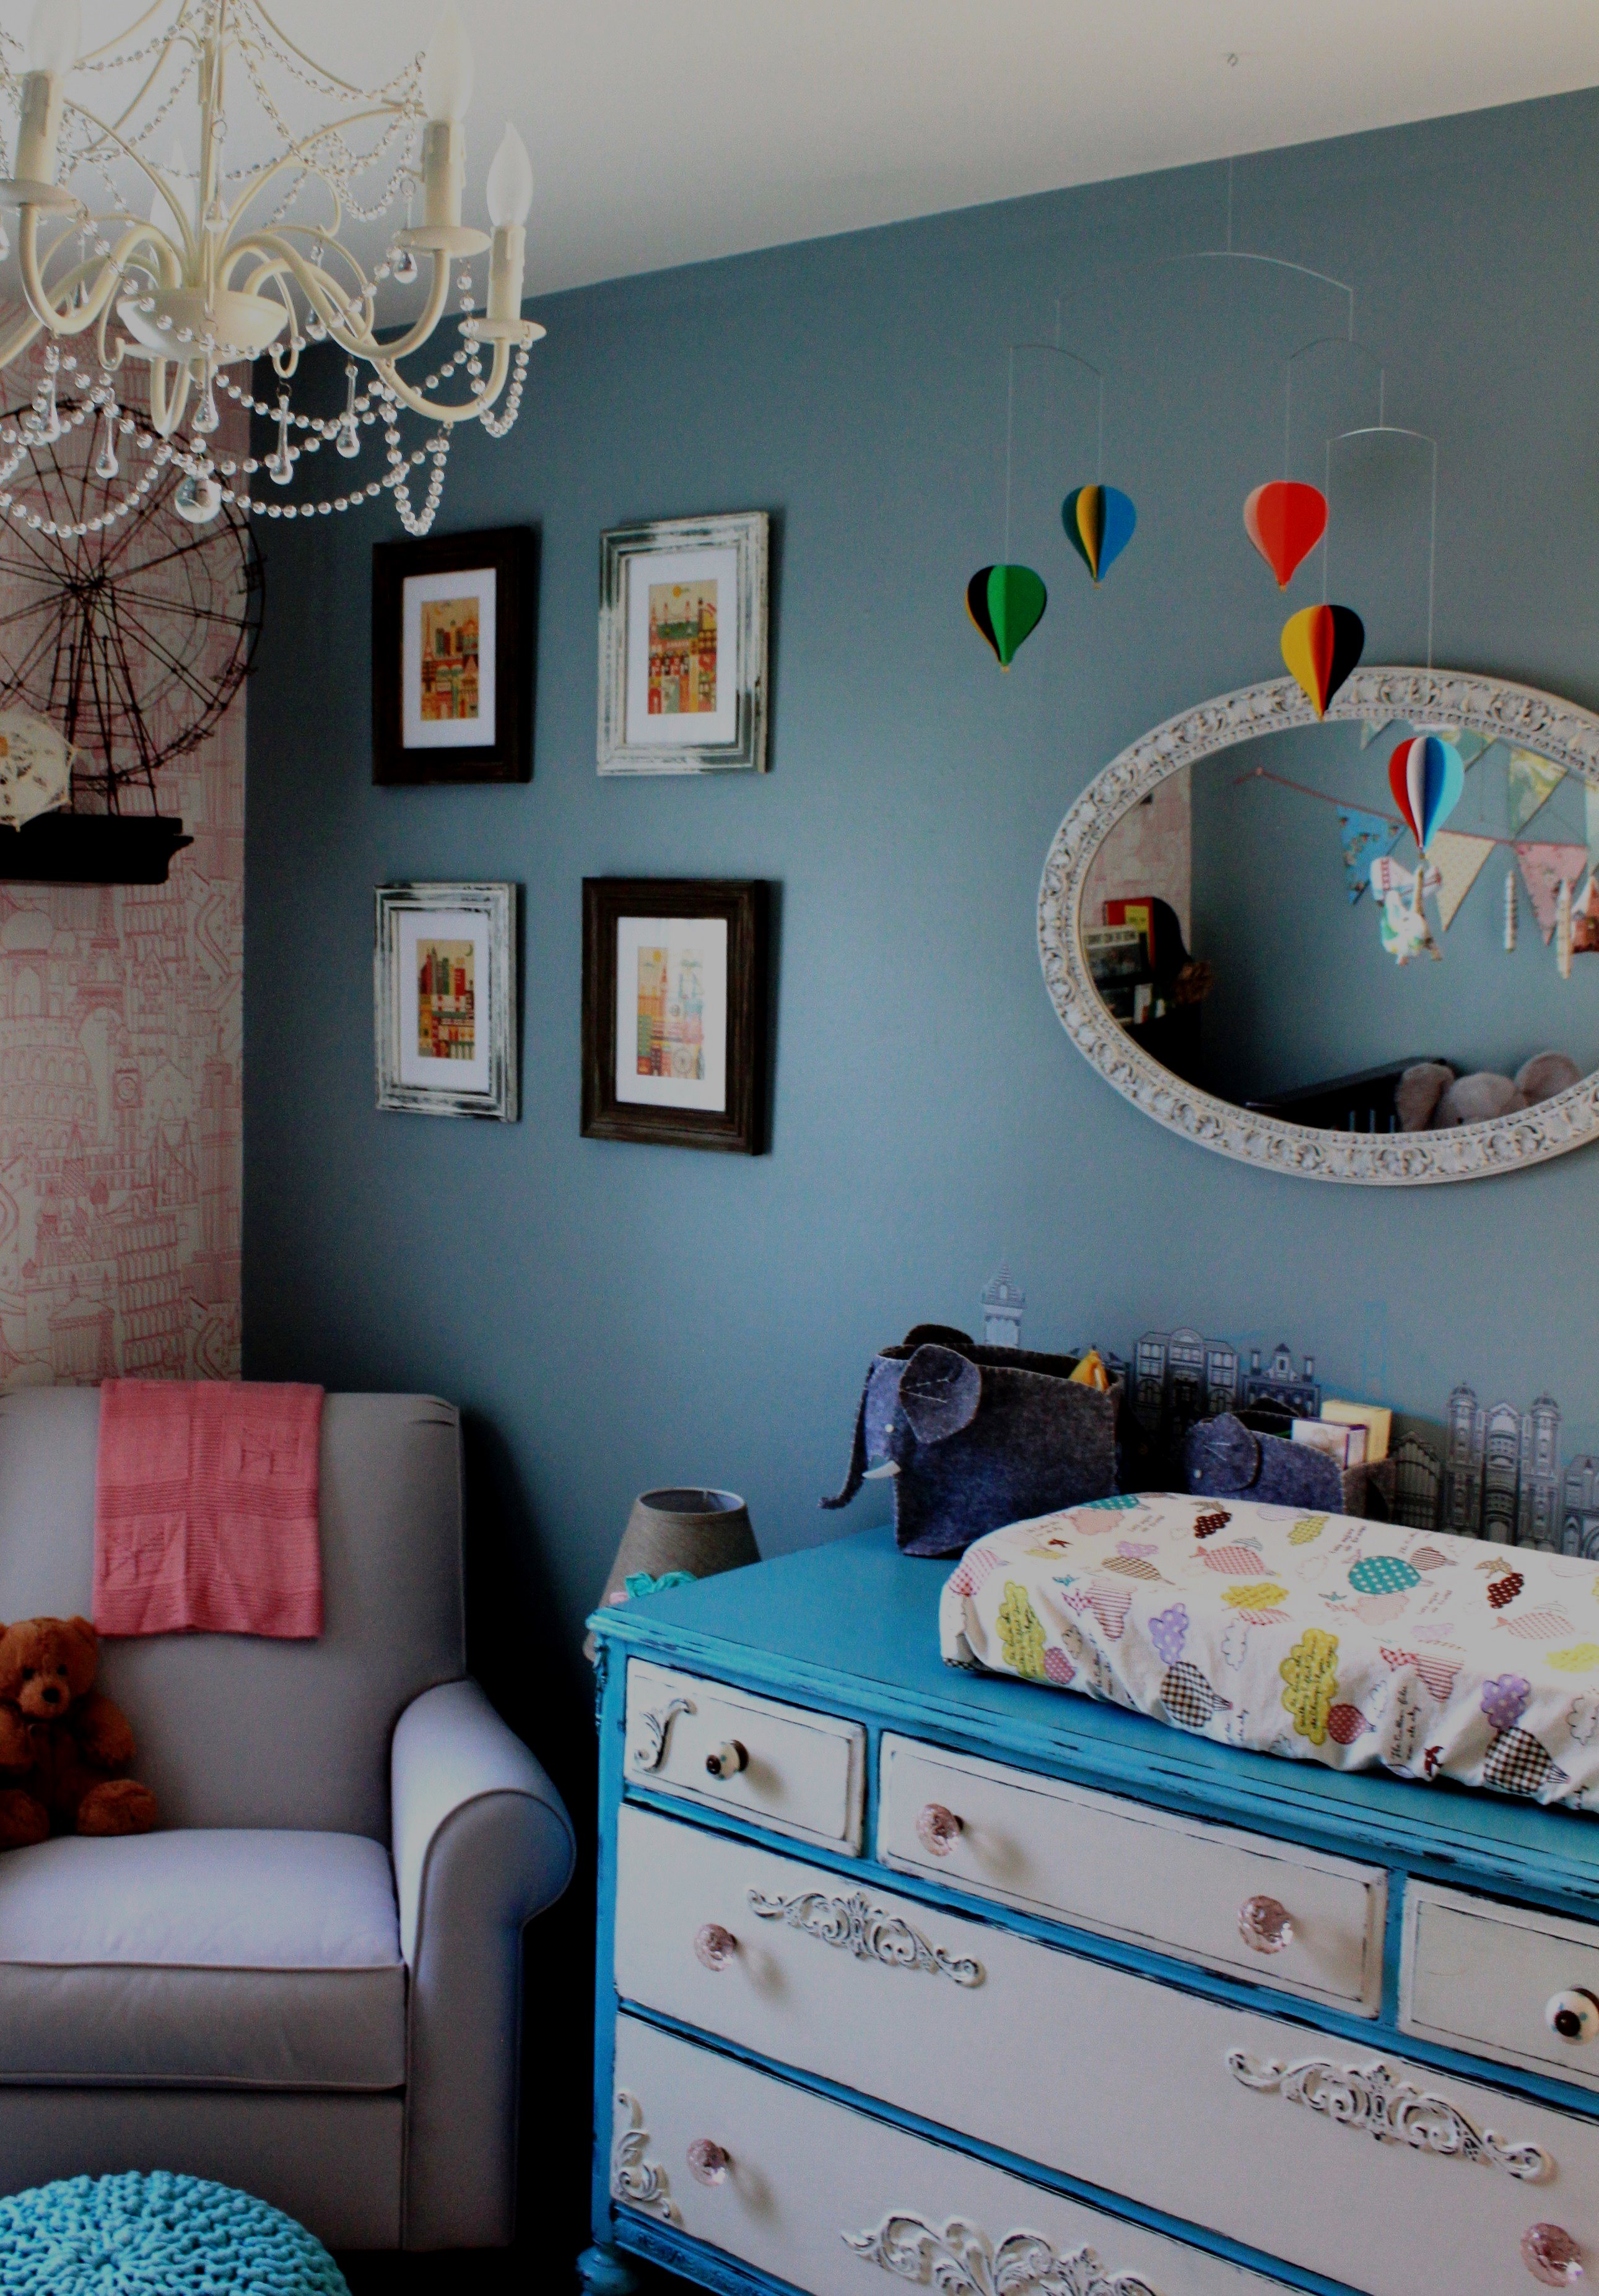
1215,945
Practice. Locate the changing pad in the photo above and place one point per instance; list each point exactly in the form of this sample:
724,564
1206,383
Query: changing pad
1315,1636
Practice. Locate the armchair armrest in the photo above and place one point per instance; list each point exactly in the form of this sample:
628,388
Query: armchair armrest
482,1843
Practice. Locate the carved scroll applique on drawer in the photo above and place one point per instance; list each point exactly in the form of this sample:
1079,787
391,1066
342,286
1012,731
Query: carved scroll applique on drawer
960,2261
1393,2110
652,1728
855,1925
642,2184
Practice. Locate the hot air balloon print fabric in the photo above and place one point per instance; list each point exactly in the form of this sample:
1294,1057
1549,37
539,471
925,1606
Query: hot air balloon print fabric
1318,1637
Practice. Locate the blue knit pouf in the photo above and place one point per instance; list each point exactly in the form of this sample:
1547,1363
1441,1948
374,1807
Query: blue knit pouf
158,2235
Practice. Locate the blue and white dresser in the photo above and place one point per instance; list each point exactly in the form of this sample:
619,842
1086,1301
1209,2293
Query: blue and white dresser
911,1974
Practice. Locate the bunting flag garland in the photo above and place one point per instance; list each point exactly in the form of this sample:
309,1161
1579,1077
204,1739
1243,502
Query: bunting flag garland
1531,782
1590,800
1471,746
1458,859
1365,838
1545,869
1370,727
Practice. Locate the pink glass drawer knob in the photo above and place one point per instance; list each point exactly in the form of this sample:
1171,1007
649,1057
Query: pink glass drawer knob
938,1829
708,2161
1551,2255
713,1947
1573,2014
1264,1924
725,1761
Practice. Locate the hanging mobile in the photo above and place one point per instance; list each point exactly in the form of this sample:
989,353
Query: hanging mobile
1006,605
1322,646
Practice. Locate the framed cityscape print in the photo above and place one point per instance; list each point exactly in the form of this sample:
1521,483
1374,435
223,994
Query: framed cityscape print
683,645
675,974
444,988
452,657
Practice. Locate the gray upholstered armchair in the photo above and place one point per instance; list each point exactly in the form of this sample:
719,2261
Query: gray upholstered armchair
308,1982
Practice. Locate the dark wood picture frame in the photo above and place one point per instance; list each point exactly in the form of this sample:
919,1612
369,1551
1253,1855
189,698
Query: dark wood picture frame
746,907
512,551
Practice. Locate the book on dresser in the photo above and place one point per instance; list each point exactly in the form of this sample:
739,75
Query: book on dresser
911,1974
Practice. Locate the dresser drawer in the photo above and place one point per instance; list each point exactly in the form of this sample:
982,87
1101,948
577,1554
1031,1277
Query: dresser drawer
1490,1978
1257,2129
837,2203
1172,1883
797,1772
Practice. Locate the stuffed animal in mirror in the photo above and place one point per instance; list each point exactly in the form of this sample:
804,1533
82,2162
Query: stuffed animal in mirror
61,1741
1431,1096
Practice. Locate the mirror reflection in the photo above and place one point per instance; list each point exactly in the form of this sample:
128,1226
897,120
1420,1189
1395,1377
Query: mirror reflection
1257,925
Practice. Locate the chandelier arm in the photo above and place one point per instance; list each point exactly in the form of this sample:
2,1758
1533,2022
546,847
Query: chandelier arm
64,318
314,284
468,410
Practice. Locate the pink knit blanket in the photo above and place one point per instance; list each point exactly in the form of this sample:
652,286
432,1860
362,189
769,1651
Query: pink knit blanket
205,1509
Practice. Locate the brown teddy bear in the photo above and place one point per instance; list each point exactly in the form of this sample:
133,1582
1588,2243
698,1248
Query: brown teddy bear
61,1740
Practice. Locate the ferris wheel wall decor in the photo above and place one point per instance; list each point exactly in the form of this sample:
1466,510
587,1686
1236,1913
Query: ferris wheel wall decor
130,638
232,263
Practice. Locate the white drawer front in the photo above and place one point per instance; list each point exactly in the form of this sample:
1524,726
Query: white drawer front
1171,1883
1119,2079
1480,1976
829,2198
804,1773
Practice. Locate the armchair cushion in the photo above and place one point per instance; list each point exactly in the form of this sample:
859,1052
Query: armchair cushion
260,1960
482,1843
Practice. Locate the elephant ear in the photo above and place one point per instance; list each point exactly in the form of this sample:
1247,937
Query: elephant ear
1221,1456
939,1392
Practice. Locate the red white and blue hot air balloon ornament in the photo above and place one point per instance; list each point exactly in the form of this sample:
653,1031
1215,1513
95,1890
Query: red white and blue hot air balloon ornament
1426,775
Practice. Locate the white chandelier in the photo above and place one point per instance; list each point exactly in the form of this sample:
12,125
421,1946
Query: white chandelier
235,263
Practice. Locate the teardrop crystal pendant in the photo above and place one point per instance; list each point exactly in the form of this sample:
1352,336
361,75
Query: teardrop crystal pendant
106,465
349,442
198,499
403,271
206,417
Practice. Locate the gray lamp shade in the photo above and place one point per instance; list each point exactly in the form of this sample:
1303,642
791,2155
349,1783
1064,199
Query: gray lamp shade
699,1531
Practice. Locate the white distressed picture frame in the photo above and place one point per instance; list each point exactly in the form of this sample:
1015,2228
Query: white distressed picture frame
485,914
738,539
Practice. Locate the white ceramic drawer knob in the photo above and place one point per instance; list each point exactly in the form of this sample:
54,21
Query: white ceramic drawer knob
1551,2255
713,1947
938,1829
726,1760
708,2161
1264,1924
1573,2014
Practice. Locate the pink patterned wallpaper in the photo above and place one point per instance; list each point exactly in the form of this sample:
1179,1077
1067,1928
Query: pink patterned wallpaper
120,1039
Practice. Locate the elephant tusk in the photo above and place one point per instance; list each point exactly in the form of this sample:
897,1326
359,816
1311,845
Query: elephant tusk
878,1474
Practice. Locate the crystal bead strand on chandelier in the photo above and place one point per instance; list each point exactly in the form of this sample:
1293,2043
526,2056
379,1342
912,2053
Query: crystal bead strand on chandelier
219,267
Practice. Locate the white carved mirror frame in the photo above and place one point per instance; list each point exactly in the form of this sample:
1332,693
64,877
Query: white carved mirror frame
1568,736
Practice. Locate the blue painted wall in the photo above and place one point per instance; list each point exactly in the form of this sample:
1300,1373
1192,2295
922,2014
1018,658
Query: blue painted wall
614,1316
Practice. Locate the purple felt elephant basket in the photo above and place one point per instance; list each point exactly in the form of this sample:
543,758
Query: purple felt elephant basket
976,1437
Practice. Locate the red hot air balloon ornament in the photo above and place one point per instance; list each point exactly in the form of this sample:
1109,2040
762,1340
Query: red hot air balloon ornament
1006,605
1285,520
1322,646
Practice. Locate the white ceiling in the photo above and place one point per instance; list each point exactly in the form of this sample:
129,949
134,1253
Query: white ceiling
665,131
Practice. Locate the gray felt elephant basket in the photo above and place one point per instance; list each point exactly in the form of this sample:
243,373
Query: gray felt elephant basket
978,1437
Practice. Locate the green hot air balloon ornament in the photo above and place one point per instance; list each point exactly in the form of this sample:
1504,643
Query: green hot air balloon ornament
1006,603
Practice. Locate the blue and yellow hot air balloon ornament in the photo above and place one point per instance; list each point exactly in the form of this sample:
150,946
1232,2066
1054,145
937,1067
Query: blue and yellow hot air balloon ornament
1006,605
1099,522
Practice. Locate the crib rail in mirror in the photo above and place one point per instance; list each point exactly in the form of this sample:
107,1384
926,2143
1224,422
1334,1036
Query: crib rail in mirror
1364,947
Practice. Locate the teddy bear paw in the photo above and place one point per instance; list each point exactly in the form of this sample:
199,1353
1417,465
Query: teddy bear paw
23,1819
116,1806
